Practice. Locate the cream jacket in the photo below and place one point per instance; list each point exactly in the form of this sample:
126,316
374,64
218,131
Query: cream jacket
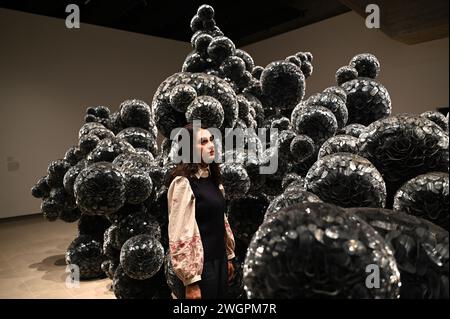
185,245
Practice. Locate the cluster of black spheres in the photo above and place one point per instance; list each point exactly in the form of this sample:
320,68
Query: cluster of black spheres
356,189
109,183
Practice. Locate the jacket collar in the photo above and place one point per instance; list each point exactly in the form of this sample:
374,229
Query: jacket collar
203,172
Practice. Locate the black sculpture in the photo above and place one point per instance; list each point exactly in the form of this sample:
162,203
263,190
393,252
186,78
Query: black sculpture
339,146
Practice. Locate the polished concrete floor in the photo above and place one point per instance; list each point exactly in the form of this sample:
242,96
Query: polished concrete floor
32,261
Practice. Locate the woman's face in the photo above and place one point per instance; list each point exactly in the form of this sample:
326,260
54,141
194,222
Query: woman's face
204,145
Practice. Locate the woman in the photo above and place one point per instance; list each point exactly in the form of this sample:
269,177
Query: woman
201,242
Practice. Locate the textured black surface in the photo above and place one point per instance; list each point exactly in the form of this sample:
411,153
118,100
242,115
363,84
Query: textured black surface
339,144
141,256
425,196
318,250
347,180
100,189
420,249
85,252
403,147
121,203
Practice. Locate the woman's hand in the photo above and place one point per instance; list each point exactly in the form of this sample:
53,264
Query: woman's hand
230,270
193,292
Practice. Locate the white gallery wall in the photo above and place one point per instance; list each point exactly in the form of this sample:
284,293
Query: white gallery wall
50,74
416,76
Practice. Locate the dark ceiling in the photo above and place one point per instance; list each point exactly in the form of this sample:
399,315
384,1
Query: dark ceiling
243,21
248,21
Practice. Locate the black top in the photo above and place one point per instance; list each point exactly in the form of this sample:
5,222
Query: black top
209,214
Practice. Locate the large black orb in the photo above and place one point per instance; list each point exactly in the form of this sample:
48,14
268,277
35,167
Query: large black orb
141,256
317,250
317,122
420,249
283,85
425,196
100,189
293,196
85,255
347,180
438,118
403,147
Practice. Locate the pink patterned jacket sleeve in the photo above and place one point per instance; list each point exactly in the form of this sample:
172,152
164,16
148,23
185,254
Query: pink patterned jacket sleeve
229,238
185,245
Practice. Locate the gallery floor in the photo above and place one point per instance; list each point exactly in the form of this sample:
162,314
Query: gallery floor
32,261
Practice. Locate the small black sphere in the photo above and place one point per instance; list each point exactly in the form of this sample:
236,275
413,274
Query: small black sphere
302,148
249,63
438,118
220,48
136,220
366,64
347,180
333,103
205,12
207,109
135,113
339,144
201,42
108,149
141,256
338,91
87,143
233,67
345,74
317,122
196,23
85,257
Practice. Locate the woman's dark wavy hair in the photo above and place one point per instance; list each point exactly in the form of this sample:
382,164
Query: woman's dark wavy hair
189,169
